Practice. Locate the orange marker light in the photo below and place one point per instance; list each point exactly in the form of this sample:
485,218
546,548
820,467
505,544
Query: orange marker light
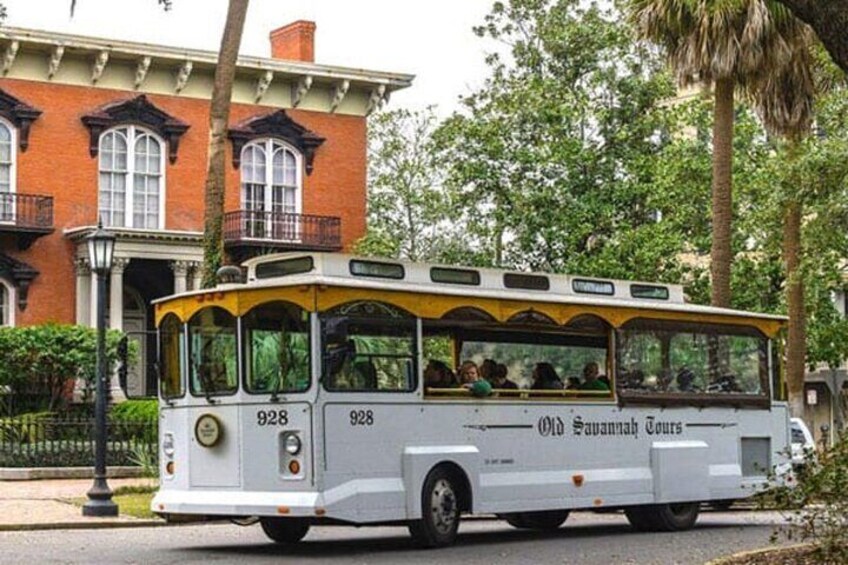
598,502
283,510
169,467
577,480
294,467
320,511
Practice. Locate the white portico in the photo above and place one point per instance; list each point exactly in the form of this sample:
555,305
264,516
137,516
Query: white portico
148,264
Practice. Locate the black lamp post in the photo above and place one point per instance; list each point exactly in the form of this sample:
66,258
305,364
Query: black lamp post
101,245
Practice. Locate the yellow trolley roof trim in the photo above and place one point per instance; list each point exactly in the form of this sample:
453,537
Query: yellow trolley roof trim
330,282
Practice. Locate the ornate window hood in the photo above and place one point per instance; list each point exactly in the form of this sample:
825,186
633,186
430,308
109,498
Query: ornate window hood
140,111
275,124
20,274
20,114
40,55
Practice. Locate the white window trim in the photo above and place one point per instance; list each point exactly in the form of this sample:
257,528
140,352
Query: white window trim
13,169
267,144
12,300
133,132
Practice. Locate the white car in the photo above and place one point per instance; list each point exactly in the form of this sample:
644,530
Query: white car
802,442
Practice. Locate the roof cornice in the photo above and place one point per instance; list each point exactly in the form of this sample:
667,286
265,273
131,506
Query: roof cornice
372,87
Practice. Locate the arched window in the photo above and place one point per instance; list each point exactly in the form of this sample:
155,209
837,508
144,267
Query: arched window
7,172
271,188
131,178
7,304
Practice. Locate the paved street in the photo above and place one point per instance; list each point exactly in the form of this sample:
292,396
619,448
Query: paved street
588,538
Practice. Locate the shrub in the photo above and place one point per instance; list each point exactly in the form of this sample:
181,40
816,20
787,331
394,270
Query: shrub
46,359
815,504
136,411
138,419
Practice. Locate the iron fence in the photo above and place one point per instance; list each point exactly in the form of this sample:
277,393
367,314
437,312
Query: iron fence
68,441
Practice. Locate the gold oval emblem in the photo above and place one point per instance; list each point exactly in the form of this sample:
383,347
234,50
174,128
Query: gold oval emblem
208,430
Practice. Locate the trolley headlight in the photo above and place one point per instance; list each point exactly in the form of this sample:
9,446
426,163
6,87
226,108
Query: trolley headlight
168,444
292,445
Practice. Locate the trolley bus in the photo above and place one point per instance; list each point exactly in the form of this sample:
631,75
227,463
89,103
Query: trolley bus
318,390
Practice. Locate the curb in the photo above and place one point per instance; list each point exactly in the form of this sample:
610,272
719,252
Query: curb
102,525
751,553
33,473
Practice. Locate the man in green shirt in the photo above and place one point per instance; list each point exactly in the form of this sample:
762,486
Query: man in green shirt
590,378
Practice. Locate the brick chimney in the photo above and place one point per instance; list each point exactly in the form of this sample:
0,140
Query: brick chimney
294,42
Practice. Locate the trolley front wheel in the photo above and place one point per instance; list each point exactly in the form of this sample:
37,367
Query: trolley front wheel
439,510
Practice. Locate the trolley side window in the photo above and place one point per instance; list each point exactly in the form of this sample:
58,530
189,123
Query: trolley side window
171,357
368,347
692,360
212,353
276,348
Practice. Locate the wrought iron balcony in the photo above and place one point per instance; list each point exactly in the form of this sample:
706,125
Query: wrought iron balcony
26,216
248,233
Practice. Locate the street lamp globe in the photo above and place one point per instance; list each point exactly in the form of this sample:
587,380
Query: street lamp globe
101,245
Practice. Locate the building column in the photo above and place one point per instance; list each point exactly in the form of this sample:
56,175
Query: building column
116,316
180,269
116,293
196,271
83,272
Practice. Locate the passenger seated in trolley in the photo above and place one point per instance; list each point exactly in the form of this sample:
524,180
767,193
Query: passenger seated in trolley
591,380
470,378
500,378
545,378
438,375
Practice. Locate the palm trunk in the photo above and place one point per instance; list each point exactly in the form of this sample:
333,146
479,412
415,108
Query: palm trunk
796,346
219,117
722,192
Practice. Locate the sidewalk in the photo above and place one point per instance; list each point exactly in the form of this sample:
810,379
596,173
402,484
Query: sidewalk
46,505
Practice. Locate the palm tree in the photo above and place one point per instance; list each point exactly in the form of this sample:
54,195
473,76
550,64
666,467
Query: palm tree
784,101
219,117
730,44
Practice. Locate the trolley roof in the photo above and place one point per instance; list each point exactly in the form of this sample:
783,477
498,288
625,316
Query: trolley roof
350,271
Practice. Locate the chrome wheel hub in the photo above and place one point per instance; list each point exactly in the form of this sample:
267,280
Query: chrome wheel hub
443,507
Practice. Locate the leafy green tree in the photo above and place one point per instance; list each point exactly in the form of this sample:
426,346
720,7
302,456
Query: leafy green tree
409,211
47,359
728,44
551,162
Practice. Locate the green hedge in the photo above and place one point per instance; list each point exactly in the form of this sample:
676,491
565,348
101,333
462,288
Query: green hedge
133,412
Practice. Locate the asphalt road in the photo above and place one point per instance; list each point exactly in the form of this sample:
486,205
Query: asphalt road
587,538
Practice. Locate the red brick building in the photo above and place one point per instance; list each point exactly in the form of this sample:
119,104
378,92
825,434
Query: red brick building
93,128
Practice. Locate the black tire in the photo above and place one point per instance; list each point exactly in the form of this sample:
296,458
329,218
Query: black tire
663,517
722,505
543,520
284,530
439,521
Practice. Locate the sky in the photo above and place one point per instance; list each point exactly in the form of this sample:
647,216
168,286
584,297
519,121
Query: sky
431,39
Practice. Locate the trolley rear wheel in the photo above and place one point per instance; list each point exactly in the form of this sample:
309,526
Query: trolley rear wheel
541,520
663,517
284,530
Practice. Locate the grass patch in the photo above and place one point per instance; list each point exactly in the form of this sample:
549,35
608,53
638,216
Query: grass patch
135,504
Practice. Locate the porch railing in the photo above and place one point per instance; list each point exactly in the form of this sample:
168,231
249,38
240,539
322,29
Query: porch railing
26,211
296,231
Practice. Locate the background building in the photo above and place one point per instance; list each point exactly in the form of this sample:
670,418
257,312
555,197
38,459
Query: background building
93,128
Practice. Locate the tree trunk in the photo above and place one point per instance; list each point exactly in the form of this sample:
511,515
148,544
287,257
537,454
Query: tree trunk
722,192
219,117
796,346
